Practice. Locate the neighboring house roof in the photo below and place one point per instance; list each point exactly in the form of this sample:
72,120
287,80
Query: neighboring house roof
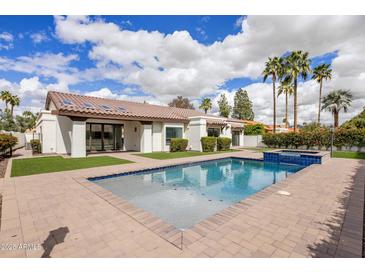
216,122
72,104
236,125
281,128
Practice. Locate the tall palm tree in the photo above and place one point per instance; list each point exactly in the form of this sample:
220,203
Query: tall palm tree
335,101
287,88
206,105
273,69
14,102
5,96
296,65
320,73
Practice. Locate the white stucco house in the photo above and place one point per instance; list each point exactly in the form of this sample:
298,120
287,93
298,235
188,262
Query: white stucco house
77,124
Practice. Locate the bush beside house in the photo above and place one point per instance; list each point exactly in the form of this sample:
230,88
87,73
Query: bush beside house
36,146
178,144
7,142
223,143
319,138
208,143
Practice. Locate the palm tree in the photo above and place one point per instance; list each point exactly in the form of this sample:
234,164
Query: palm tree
206,105
14,101
335,102
273,69
320,73
296,65
288,89
5,96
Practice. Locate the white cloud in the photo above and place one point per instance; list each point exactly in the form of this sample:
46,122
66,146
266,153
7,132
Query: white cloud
6,36
166,65
239,21
39,37
56,66
6,40
122,95
177,64
31,92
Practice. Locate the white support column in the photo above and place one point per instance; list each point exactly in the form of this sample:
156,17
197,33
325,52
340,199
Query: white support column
197,129
146,138
78,143
242,139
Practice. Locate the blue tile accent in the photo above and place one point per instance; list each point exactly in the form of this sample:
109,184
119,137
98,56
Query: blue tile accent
303,160
92,179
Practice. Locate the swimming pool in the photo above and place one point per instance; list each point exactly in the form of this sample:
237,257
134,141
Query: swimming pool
184,195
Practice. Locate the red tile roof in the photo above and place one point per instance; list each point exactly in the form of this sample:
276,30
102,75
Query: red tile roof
118,109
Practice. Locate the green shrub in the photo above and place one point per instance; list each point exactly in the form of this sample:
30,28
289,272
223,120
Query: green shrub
223,143
208,143
178,144
319,137
257,129
269,139
7,141
36,146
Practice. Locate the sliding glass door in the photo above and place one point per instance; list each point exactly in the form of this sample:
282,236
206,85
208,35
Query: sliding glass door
108,138
100,137
94,137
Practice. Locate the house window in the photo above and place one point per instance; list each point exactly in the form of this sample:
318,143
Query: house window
214,132
173,132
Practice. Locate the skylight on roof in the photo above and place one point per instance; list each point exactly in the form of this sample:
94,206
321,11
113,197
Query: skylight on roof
88,105
122,109
105,107
67,102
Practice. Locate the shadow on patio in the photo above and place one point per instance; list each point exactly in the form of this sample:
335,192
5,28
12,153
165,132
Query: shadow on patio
55,237
346,225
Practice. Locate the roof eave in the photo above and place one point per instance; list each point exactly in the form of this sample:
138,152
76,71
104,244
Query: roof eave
116,117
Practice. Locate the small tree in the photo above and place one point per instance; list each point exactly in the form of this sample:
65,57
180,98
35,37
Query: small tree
224,107
7,122
336,101
181,102
242,108
26,121
14,102
320,73
6,96
258,129
206,105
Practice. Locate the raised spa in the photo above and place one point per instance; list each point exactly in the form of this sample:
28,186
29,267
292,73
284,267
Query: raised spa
297,157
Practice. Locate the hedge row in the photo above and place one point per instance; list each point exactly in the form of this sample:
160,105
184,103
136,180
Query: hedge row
178,144
7,141
319,138
209,144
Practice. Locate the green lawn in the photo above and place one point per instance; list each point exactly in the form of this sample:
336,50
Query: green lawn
349,155
30,166
182,154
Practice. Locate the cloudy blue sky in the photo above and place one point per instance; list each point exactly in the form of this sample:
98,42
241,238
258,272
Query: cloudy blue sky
155,58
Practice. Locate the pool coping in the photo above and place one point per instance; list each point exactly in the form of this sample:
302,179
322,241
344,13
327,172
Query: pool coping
182,238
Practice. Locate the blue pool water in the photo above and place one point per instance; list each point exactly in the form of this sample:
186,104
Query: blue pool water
187,194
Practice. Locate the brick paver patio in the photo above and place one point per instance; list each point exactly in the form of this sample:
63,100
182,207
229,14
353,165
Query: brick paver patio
323,217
